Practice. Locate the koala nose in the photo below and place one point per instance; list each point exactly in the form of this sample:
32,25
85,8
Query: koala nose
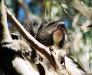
57,36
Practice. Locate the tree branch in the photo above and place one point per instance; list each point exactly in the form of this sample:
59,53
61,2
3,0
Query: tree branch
86,25
4,32
75,21
82,8
34,43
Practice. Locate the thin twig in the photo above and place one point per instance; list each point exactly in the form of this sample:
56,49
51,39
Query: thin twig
64,10
51,3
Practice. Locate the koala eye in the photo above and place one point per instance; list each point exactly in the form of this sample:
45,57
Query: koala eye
61,25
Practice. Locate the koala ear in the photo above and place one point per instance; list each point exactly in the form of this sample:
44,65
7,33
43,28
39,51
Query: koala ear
14,36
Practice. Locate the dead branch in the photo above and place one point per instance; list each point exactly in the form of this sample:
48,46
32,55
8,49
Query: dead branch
34,43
